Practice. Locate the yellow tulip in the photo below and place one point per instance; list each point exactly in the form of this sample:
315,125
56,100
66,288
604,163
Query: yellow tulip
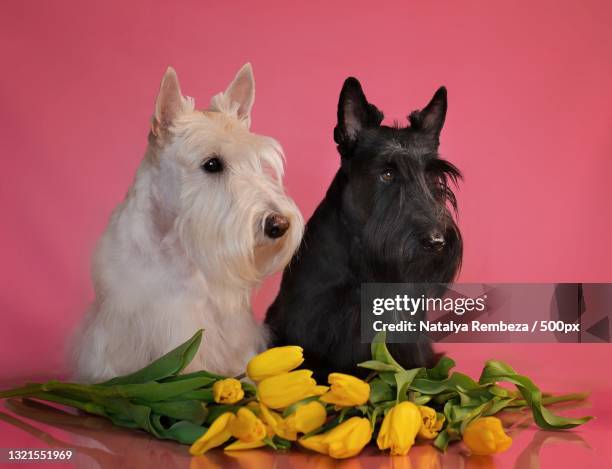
276,422
344,441
247,427
319,390
217,434
240,445
227,391
432,422
399,428
486,435
346,391
309,417
316,443
285,389
275,361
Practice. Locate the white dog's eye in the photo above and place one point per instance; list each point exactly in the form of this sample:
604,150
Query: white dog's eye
212,165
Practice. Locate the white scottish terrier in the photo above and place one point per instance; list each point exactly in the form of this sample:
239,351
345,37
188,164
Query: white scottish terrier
205,220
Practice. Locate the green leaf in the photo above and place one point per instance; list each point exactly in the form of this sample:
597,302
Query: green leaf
124,411
182,431
499,404
380,391
90,407
496,371
270,442
248,388
343,412
378,366
190,411
388,377
441,369
172,363
196,374
473,414
403,380
374,415
457,382
421,400
151,391
381,353
202,395
443,439
281,443
499,391
121,421
218,410
448,409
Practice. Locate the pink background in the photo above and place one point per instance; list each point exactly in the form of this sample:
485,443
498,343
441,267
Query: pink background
529,124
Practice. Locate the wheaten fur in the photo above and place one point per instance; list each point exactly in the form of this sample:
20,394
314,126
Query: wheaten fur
185,249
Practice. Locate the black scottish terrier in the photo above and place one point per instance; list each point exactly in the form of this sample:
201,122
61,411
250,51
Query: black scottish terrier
387,217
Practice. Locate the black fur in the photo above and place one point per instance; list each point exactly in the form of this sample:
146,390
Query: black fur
370,229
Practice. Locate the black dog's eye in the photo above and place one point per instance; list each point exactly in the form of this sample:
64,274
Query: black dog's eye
388,175
212,165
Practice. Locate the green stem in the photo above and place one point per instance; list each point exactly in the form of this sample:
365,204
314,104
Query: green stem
577,396
23,391
89,407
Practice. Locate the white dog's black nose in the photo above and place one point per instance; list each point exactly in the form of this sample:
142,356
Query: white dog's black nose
275,225
434,241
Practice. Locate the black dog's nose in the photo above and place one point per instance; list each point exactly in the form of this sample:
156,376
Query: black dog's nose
275,225
434,242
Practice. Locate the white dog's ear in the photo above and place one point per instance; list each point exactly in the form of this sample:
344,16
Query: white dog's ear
170,102
242,92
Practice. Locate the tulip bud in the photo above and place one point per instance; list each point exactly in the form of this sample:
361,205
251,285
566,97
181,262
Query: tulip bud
285,389
346,391
217,434
275,361
399,428
247,427
486,435
344,441
227,391
432,422
278,425
309,417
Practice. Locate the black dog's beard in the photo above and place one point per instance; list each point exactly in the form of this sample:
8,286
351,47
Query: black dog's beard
393,251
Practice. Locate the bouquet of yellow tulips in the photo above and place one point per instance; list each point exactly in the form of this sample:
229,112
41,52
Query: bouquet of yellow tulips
286,406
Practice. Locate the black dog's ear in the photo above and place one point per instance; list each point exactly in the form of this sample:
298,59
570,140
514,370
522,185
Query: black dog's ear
354,114
431,118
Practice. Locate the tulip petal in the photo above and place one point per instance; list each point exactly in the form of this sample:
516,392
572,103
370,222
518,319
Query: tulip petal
217,434
310,416
485,435
275,361
315,443
285,389
241,445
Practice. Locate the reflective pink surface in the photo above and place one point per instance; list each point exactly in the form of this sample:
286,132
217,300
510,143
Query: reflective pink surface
555,368
528,124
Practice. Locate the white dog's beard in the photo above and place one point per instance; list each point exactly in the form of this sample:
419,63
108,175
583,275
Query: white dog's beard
231,247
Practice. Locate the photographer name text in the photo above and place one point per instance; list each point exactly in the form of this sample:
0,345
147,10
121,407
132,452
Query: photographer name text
474,326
